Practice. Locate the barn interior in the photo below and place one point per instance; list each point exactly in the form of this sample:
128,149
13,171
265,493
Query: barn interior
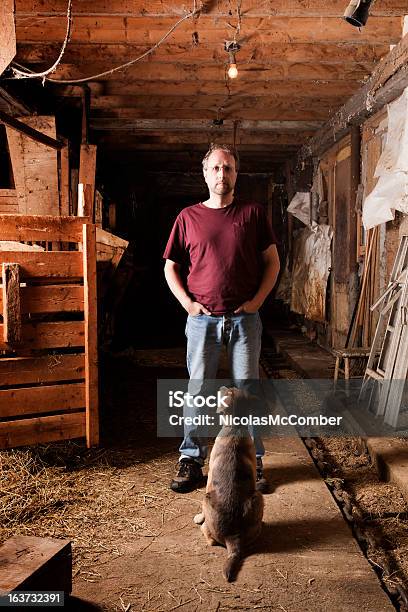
106,111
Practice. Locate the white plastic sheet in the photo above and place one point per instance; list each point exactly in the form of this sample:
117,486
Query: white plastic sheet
391,191
299,206
311,266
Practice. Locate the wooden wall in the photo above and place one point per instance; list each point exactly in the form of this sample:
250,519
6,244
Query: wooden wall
35,169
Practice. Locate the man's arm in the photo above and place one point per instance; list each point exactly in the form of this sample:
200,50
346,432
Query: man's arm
175,282
270,274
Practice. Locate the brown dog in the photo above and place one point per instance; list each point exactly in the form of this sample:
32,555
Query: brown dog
232,509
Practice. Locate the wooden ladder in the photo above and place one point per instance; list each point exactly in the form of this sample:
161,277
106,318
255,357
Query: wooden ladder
389,369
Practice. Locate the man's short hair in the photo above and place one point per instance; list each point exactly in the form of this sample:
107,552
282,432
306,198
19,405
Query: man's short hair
221,147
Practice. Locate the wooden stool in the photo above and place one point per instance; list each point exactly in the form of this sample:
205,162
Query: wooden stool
344,355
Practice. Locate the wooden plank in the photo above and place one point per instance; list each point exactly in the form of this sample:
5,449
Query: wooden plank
269,107
87,172
341,215
347,54
61,334
282,89
38,228
50,298
49,264
64,181
8,34
30,132
30,563
121,130
12,245
11,303
105,237
36,400
221,8
387,82
48,368
8,200
144,30
190,125
112,215
9,208
91,335
252,71
355,181
16,107
42,429
98,209
34,167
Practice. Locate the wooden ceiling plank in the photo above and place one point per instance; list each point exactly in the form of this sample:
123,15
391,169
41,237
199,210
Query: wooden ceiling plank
346,54
282,127
204,136
254,72
148,30
223,7
387,82
275,89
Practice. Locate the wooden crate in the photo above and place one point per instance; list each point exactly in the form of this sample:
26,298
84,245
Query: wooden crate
29,563
49,376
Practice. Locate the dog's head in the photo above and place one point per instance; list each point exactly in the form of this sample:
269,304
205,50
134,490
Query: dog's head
230,398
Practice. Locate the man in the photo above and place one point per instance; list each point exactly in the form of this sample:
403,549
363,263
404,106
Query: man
229,250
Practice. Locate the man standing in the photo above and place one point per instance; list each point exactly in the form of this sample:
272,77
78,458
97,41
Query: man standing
229,252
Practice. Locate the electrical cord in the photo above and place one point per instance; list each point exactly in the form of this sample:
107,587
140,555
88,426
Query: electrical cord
20,74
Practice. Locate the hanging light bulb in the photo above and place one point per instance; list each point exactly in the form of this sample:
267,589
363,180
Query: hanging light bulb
232,70
231,47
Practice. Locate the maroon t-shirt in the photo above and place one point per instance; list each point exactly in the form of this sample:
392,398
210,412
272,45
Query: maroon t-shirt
221,250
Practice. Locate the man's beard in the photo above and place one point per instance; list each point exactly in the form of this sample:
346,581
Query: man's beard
223,188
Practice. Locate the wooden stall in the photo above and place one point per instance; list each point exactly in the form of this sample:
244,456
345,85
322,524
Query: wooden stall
48,333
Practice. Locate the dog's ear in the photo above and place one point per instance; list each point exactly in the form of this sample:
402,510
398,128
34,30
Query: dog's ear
225,399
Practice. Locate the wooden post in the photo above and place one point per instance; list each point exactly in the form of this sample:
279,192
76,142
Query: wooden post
91,336
11,303
8,34
64,182
112,216
87,170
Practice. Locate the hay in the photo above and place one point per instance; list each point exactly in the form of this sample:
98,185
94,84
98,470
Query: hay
90,497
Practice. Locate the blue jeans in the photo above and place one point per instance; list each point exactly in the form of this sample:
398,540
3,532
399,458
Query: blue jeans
206,335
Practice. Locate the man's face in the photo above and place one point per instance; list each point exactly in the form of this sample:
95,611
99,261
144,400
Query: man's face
220,174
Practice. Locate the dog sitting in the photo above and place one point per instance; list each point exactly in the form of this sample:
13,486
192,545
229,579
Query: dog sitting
232,509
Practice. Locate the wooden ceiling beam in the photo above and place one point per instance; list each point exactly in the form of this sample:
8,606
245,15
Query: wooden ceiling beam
36,135
206,29
284,8
278,90
204,136
172,160
387,82
270,108
248,72
346,54
177,125
279,151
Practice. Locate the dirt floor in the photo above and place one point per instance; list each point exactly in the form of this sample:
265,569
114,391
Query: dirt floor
135,545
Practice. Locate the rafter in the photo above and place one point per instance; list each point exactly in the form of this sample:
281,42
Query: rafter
148,30
284,8
345,53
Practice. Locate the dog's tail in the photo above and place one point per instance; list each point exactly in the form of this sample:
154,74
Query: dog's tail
233,562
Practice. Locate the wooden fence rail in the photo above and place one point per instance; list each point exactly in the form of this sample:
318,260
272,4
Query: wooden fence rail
49,372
